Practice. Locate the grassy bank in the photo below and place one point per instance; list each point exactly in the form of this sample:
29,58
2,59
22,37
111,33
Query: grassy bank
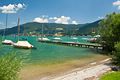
111,76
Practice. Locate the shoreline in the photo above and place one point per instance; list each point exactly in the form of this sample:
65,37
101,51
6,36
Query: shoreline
90,72
38,72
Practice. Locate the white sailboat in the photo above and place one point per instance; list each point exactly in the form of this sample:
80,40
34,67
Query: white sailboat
93,39
22,44
57,38
73,37
6,41
43,38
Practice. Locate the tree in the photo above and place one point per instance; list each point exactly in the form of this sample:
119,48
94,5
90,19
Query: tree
116,53
110,35
110,31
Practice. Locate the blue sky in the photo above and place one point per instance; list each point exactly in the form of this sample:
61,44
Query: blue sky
76,11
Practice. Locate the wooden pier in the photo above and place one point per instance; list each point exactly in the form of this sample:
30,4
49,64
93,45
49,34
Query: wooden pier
76,44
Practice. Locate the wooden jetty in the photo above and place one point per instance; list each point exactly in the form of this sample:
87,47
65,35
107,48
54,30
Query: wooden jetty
76,44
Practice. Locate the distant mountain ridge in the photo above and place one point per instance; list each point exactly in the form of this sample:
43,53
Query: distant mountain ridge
52,28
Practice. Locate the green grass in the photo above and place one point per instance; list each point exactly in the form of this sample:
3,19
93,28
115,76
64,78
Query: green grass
111,76
10,66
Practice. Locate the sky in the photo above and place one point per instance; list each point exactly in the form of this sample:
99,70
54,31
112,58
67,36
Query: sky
55,11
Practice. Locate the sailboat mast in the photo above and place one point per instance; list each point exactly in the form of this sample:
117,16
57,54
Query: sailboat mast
6,24
42,32
18,28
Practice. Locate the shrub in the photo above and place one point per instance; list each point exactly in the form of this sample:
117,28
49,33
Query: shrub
116,56
10,66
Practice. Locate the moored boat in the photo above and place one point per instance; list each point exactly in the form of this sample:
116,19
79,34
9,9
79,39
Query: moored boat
92,40
23,44
57,38
43,39
7,42
74,38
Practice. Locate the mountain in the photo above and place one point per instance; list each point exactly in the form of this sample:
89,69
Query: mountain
88,28
52,28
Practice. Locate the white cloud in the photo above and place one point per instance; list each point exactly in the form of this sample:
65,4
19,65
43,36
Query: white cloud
50,18
100,17
117,3
41,20
74,22
53,18
20,5
61,20
11,8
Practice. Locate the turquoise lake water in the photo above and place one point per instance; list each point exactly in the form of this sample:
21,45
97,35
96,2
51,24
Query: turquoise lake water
48,53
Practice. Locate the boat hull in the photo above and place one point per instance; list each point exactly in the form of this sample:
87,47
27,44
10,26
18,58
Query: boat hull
7,43
23,47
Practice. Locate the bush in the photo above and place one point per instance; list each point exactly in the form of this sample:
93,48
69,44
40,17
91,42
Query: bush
110,31
10,66
116,56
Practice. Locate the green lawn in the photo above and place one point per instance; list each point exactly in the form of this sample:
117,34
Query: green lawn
111,76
